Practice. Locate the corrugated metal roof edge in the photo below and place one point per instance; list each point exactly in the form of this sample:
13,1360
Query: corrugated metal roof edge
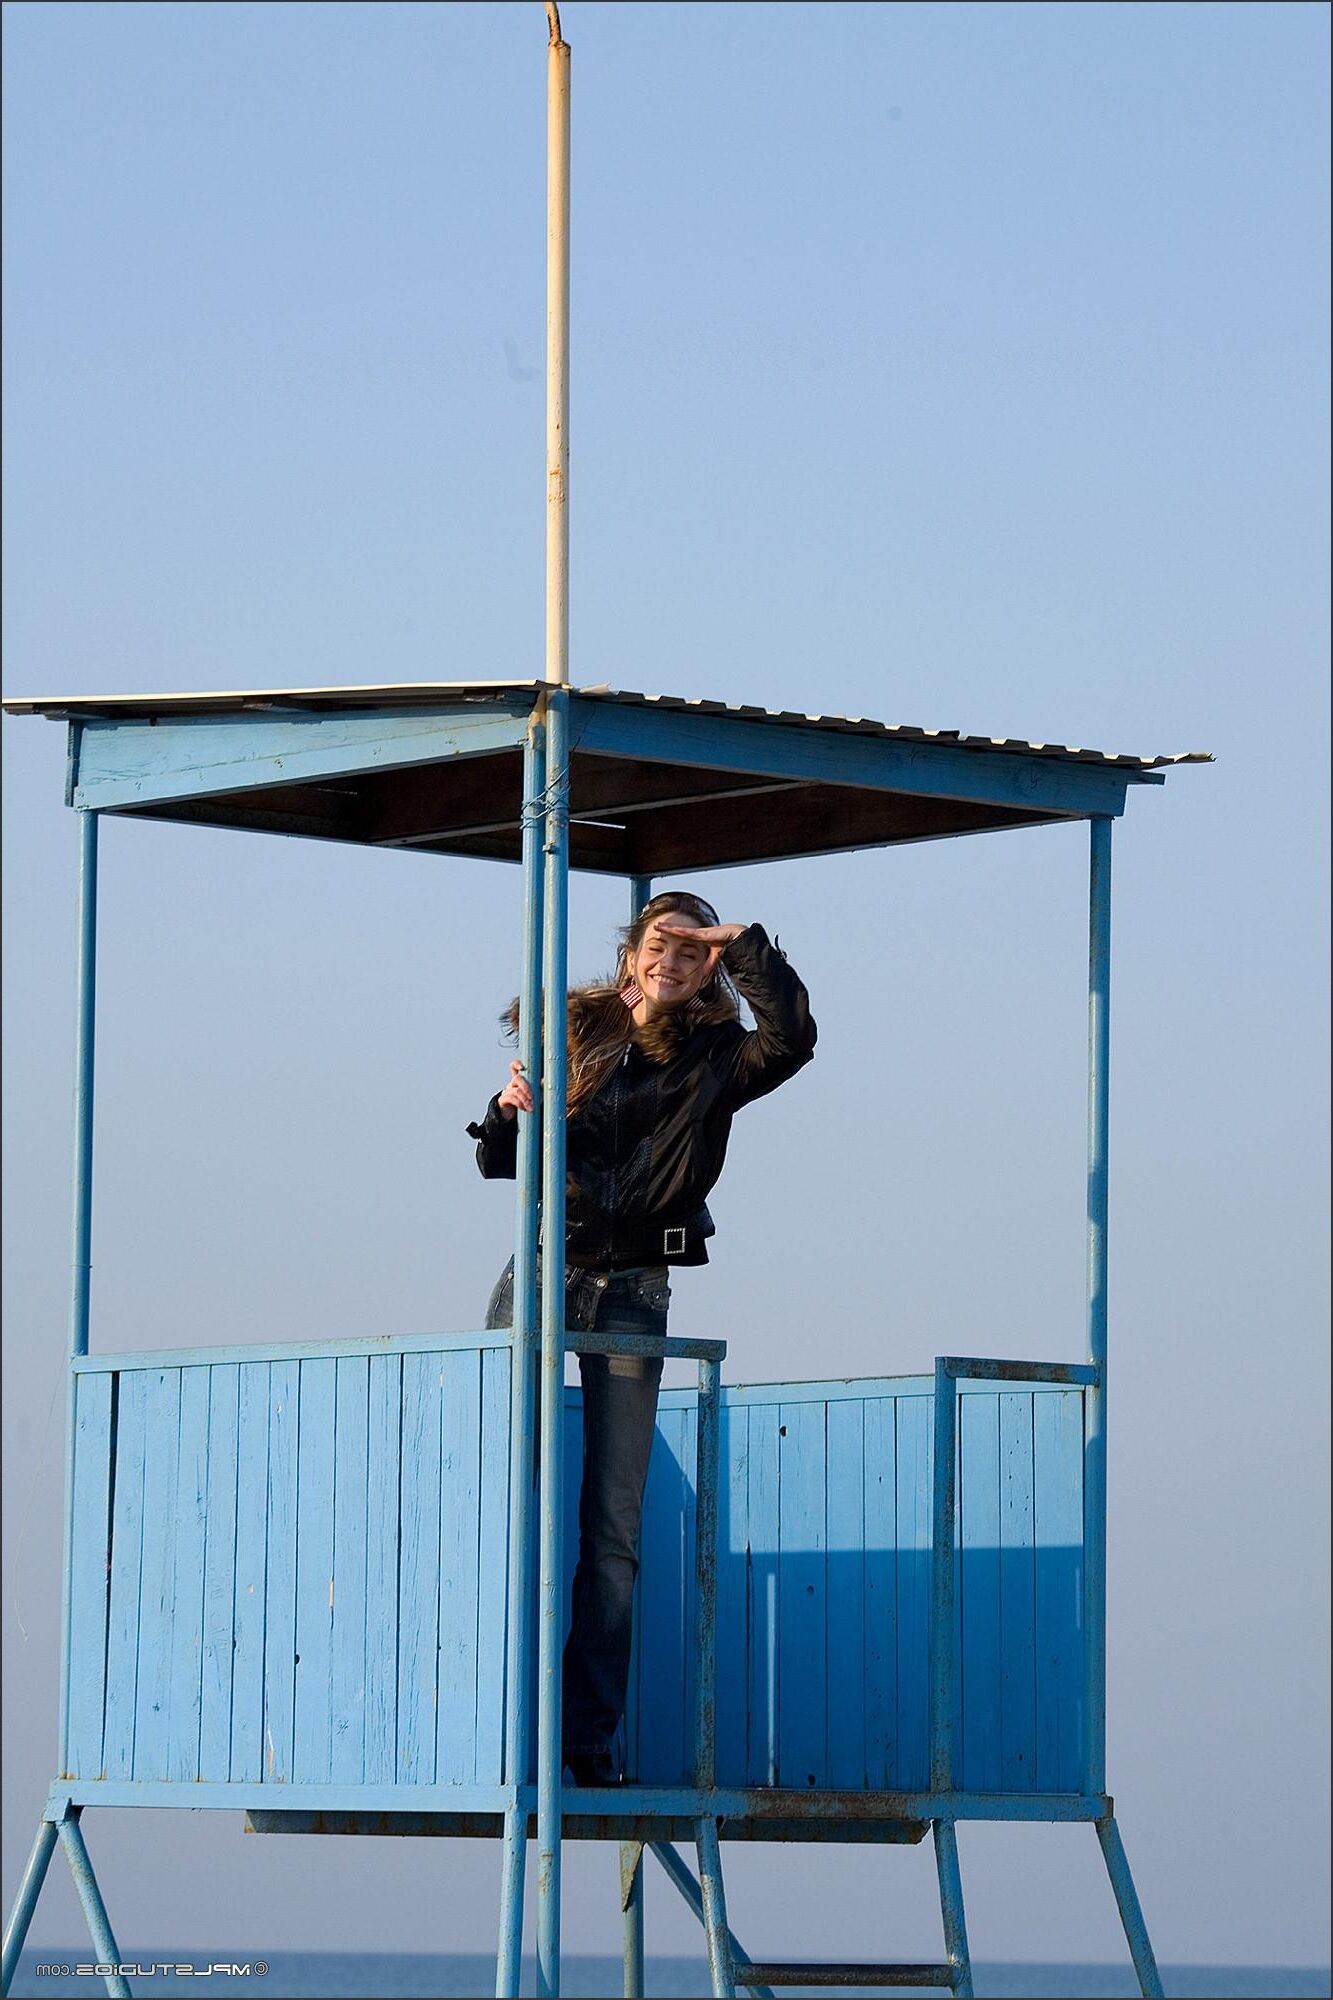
404,692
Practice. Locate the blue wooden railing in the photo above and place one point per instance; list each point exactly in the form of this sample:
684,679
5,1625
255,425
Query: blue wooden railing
290,1568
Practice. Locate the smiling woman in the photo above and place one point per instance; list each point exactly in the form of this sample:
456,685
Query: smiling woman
659,1062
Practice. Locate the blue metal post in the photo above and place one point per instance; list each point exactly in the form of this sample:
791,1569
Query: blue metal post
631,1906
99,1924
1127,1902
1094,1401
942,1582
81,1255
951,1902
522,1353
551,1621
83,1085
705,1566
30,1888
640,892
722,1973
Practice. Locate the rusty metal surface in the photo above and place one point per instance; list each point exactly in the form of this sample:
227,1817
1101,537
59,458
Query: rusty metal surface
407,694
1077,1374
823,1974
631,1867
623,1827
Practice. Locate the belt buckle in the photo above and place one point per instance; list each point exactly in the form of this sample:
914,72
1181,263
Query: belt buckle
671,1247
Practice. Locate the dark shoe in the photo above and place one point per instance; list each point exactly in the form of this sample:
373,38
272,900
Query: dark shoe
589,1769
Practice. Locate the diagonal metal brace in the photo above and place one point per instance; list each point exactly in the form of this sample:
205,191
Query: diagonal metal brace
681,1875
70,1835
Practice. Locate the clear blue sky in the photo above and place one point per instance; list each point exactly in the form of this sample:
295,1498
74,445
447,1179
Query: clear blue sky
954,365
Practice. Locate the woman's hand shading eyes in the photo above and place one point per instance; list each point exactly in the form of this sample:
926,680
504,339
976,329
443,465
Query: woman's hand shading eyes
715,937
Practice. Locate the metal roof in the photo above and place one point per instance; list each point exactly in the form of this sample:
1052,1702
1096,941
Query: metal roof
422,693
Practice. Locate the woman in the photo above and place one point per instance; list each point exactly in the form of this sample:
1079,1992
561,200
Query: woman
658,1061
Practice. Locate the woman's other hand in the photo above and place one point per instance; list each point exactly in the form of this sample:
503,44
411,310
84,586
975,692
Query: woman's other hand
517,1093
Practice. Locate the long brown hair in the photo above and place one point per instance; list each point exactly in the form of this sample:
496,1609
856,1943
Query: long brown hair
601,1026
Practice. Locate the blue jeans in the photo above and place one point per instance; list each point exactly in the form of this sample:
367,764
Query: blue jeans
619,1417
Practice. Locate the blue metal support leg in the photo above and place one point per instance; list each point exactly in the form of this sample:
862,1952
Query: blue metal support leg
951,1907
1127,1902
721,1972
30,1888
513,1870
99,1924
631,1906
522,1355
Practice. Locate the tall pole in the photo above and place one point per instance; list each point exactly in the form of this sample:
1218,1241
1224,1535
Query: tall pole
550,1627
1094,1445
557,352
523,1348
550,1624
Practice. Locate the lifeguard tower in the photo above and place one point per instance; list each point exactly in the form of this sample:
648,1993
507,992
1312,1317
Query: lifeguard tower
317,1582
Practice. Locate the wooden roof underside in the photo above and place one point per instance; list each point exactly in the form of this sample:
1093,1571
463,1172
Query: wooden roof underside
627,816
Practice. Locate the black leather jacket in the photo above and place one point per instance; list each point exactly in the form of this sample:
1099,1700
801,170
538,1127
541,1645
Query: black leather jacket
643,1153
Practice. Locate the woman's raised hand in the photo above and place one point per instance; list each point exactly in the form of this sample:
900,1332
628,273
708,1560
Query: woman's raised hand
716,936
517,1093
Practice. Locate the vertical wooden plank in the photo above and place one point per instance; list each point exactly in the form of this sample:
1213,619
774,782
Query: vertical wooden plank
316,1446
733,1671
383,1565
1058,1516
879,1444
492,1569
419,1591
460,1521
280,1572
122,1665
662,1602
215,1692
846,1570
187,1630
156,1607
977,1749
247,1696
914,1466
1018,1689
802,1595
348,1625
765,1686
89,1598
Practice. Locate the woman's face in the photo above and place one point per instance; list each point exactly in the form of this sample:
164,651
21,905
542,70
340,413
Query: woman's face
670,970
